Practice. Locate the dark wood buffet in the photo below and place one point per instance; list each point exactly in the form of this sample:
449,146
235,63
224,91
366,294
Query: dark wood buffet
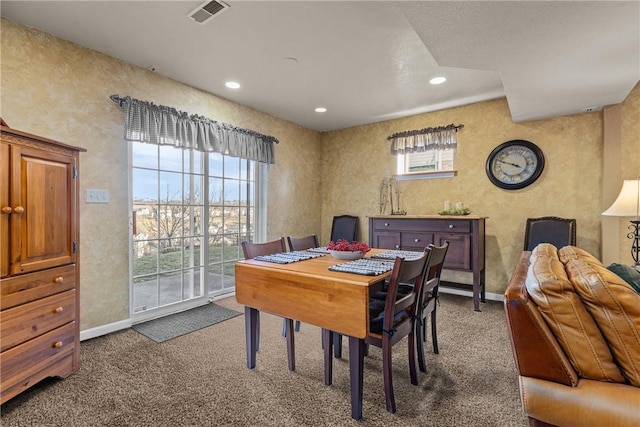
465,233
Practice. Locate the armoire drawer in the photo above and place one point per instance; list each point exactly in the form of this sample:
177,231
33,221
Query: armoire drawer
24,360
20,289
25,322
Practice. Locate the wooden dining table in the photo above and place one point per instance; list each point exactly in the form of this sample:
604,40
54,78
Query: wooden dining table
308,291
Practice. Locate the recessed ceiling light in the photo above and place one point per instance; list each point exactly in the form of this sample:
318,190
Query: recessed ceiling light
437,80
232,85
321,110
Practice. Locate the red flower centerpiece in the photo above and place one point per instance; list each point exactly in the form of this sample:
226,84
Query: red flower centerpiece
342,249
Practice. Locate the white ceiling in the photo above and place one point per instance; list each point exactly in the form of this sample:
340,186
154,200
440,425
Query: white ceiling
368,61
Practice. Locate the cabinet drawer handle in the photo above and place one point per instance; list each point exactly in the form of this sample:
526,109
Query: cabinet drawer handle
450,225
397,246
59,279
416,240
19,210
386,224
58,310
6,210
57,344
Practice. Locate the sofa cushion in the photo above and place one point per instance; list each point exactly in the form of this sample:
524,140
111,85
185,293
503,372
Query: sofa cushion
628,274
569,320
545,249
615,306
568,253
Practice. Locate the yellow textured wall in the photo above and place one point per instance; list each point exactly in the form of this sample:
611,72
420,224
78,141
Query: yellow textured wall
59,90
56,89
630,160
355,161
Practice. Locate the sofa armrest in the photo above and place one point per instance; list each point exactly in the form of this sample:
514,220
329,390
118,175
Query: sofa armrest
590,403
536,351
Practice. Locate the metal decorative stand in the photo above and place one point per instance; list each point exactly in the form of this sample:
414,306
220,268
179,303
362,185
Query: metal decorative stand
389,196
634,235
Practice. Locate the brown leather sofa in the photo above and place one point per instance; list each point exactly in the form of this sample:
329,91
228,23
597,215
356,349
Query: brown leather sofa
575,333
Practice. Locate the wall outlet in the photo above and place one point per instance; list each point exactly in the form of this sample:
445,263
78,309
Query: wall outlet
97,196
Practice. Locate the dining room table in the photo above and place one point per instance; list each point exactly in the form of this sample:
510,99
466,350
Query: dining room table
309,291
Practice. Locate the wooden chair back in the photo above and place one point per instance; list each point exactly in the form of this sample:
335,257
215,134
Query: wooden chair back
252,250
302,243
344,227
549,229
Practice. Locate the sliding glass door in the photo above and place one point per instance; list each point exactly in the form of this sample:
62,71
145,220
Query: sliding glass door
190,211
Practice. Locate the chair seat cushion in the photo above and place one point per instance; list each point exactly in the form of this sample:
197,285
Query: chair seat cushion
376,315
403,289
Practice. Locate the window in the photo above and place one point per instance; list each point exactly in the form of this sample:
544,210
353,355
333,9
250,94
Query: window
190,211
426,164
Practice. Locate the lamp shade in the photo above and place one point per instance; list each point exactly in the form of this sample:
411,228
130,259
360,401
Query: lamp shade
628,201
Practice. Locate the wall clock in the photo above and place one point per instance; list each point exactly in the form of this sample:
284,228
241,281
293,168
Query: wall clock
515,164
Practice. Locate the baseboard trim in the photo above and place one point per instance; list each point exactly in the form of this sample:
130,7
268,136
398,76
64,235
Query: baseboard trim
455,291
127,323
105,329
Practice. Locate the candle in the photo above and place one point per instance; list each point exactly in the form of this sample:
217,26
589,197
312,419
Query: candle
447,205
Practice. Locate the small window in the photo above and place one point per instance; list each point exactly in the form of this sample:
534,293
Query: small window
426,164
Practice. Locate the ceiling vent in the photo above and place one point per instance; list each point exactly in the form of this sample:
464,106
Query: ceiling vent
207,10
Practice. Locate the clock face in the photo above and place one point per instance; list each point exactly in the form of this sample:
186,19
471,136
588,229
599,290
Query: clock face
515,164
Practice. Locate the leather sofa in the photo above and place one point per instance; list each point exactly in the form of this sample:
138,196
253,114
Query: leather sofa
575,333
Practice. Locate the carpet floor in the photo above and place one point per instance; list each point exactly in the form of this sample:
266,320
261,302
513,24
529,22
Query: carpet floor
201,379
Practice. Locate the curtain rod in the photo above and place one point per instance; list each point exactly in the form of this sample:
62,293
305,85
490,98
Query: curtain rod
425,131
117,99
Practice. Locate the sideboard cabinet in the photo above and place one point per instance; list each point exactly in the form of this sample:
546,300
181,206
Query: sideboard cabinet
466,236
38,260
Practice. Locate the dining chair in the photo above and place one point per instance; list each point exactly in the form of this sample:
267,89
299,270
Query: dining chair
428,300
549,229
343,227
252,250
299,244
392,320
302,243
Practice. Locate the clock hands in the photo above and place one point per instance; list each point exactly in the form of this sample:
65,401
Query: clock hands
508,163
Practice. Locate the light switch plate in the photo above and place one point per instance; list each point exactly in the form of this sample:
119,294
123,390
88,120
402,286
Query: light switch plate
97,196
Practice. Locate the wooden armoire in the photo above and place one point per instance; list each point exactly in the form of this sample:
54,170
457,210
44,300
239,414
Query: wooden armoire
39,298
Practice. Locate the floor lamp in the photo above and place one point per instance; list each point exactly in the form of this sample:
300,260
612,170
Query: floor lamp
628,204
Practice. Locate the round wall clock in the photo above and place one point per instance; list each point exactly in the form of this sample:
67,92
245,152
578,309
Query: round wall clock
515,164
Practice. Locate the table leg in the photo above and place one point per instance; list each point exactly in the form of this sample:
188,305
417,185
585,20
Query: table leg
250,324
291,349
356,368
327,338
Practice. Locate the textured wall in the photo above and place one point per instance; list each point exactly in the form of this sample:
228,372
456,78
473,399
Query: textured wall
355,161
630,154
59,90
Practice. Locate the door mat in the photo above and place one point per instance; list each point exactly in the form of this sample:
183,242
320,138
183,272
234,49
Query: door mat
175,325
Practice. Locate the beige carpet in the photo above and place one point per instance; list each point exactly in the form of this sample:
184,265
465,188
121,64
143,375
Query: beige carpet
201,379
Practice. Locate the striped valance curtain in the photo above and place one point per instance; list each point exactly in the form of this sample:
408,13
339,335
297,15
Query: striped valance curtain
161,125
416,141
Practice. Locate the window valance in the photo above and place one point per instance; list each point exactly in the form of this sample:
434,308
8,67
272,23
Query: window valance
161,125
415,141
